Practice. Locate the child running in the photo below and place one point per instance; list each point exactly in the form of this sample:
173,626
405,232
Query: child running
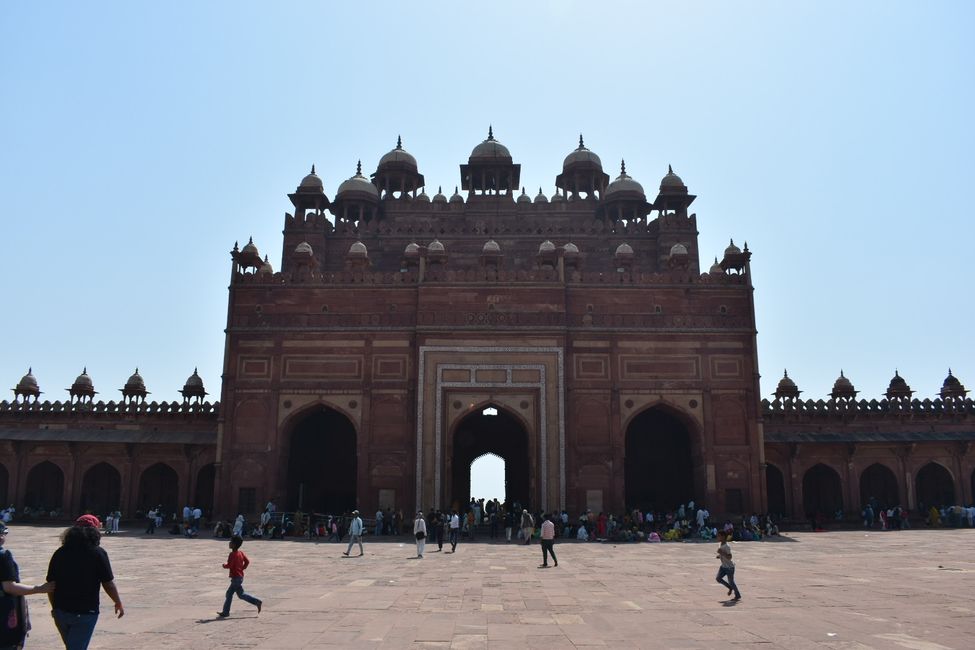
727,566
237,562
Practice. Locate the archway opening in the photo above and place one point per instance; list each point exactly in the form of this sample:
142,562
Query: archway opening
5,477
879,485
101,490
487,478
658,468
159,487
494,431
775,489
935,487
322,464
205,479
45,488
822,492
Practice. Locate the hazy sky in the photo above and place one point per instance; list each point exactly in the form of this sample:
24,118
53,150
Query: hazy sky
138,141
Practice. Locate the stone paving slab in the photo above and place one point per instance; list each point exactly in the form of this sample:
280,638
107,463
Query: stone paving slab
842,590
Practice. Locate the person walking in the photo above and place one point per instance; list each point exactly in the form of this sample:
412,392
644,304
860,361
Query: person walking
355,534
237,562
727,567
77,569
420,532
454,530
527,525
548,541
14,618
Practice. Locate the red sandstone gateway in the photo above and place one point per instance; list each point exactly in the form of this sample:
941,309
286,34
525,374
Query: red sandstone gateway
405,336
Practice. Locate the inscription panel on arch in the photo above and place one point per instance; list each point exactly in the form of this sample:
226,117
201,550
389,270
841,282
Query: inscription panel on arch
670,366
323,366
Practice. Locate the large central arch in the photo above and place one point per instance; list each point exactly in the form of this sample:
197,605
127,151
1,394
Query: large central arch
322,463
659,465
503,435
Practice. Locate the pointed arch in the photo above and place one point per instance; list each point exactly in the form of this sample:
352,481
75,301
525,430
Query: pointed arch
822,491
504,435
45,487
879,483
159,486
659,467
935,486
775,489
322,461
101,489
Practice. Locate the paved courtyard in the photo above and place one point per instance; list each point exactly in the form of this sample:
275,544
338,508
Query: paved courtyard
850,589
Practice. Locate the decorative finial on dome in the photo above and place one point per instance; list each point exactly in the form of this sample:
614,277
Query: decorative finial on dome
250,240
399,142
30,370
490,132
786,373
540,191
841,373
265,261
439,189
84,371
358,168
455,189
732,242
670,169
581,146
313,168
622,168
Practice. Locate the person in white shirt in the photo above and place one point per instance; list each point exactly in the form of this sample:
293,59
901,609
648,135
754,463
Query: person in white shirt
420,532
454,530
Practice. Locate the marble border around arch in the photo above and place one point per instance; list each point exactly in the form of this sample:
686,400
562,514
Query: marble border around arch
440,385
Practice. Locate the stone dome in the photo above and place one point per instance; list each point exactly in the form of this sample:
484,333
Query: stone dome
540,198
490,150
843,387
898,387
311,182
491,246
135,382
952,387
28,383
359,184
678,249
546,247
571,249
83,380
716,268
624,184
398,155
786,387
250,249
558,197
358,249
266,266
582,155
672,181
412,250
304,249
624,249
422,196
439,196
436,249
456,197
523,197
732,249
194,386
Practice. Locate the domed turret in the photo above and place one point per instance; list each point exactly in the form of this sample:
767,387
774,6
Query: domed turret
490,254
82,388
193,388
623,257
716,268
311,183
523,197
357,199
422,196
546,247
304,250
357,259
898,388
491,246
398,172
436,253
624,199
624,249
952,388
787,387
678,249
490,169
358,249
27,386
439,196
843,388
557,197
309,195
540,198
582,172
135,388
266,268
673,194
357,185
625,186
412,250
456,197
732,249
436,247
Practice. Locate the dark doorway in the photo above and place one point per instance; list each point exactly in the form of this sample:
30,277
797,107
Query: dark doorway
658,470
775,488
878,482
101,490
322,464
935,487
822,492
502,435
159,486
204,489
4,478
45,488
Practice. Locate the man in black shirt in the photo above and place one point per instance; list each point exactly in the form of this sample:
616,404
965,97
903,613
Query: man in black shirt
78,569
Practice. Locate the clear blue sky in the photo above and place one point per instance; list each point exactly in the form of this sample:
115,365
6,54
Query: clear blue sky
138,141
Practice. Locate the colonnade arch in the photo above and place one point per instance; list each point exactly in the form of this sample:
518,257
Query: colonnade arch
935,486
822,491
159,486
775,489
45,487
878,483
101,489
322,462
659,462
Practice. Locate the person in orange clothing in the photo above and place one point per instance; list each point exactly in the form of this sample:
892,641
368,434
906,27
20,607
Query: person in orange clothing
236,563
